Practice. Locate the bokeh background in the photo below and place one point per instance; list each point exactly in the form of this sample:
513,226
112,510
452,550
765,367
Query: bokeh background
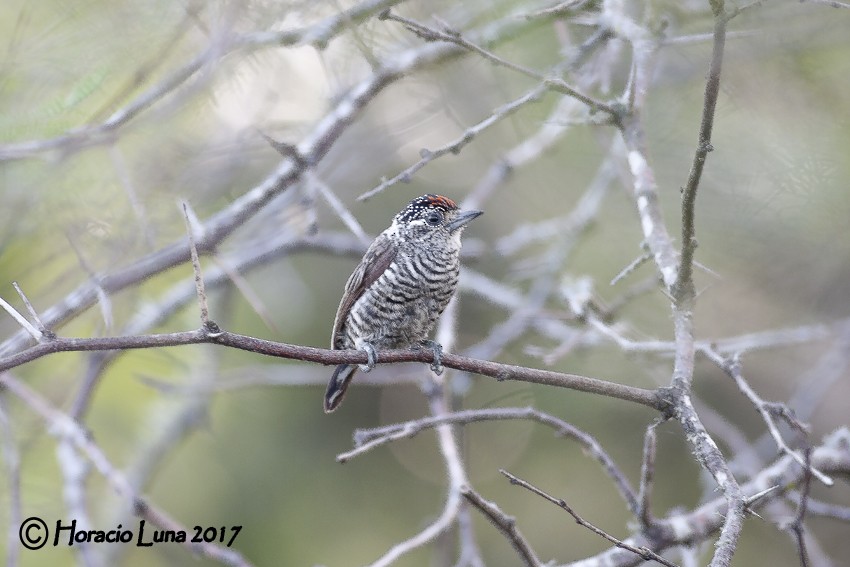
221,438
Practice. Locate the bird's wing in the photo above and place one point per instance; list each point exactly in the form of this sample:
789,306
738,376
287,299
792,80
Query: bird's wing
377,258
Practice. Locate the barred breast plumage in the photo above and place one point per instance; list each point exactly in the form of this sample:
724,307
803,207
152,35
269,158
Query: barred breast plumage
401,287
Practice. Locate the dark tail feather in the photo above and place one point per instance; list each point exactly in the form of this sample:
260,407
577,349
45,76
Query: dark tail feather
338,385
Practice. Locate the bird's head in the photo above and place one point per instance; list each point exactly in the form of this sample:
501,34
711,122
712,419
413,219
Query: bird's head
432,218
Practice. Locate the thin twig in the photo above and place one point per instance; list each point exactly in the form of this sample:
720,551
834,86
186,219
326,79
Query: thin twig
33,313
732,368
561,9
825,509
796,526
505,524
647,474
100,291
66,429
452,36
368,439
700,523
339,208
318,34
684,284
830,3
196,266
643,552
455,146
631,267
22,321
559,121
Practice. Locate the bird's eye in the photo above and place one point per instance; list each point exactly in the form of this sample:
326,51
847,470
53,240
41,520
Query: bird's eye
434,218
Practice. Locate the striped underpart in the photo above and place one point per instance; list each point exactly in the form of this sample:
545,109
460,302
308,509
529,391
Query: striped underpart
400,308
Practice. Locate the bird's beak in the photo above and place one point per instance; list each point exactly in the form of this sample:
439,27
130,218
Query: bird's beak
463,219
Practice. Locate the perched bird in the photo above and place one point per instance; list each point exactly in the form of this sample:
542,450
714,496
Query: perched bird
401,286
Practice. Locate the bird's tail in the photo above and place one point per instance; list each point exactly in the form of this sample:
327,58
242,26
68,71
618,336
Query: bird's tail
338,385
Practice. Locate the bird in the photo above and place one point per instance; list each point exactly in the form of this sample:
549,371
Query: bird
400,288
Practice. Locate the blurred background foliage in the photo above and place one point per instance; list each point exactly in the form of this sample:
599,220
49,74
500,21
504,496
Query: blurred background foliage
229,438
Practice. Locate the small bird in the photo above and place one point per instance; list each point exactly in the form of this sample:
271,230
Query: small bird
401,287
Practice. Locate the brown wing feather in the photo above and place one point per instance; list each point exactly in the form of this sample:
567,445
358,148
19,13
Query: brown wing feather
377,258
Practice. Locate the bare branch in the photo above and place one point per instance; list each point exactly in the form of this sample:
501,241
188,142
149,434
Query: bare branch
830,3
833,455
732,368
684,283
452,36
339,208
825,509
505,524
67,430
100,292
677,276
647,473
454,147
631,267
75,472
326,356
22,321
561,9
644,552
317,34
196,268
33,313
368,439
796,526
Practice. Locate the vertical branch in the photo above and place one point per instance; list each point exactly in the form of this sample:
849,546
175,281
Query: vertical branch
196,267
46,333
678,283
647,474
683,294
797,525
689,192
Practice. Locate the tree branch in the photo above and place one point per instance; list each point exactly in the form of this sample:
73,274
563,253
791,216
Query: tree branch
649,398
505,524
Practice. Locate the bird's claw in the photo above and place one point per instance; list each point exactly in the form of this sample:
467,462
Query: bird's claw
371,358
437,365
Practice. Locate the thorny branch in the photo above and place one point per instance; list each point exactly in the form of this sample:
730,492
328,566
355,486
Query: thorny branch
649,398
642,552
504,524
366,440
833,456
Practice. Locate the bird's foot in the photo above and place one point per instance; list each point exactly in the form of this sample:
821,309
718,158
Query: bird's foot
372,358
437,365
